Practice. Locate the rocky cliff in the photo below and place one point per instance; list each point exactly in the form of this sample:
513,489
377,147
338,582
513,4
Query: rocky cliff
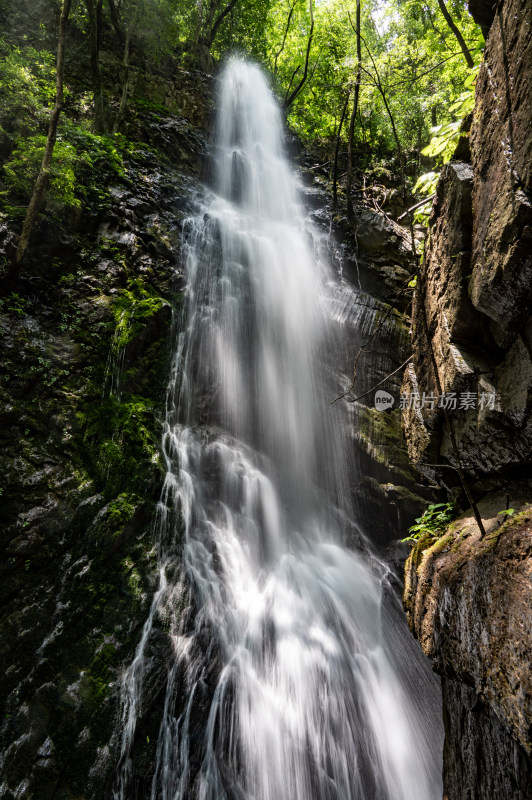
467,597
85,336
86,331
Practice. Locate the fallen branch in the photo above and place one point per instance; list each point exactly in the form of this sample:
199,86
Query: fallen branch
417,205
360,396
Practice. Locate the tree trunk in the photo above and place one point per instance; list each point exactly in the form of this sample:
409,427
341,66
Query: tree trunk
351,135
116,22
44,172
278,53
337,150
290,99
459,38
99,114
218,21
376,80
396,137
125,85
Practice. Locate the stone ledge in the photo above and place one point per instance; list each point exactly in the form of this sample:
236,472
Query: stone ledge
469,603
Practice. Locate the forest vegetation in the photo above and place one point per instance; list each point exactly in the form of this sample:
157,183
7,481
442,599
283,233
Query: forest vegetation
381,90
106,111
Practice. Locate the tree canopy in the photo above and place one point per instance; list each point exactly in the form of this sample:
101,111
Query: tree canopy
384,84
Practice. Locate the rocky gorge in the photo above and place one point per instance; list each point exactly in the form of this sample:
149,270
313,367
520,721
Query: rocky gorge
86,331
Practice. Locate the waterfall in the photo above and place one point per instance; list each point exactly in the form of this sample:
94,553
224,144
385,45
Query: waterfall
289,678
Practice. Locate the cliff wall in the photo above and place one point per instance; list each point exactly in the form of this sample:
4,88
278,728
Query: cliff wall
467,597
85,331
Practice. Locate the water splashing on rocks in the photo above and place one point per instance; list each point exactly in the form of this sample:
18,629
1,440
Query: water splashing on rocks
289,676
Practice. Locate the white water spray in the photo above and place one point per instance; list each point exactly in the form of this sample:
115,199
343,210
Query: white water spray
284,684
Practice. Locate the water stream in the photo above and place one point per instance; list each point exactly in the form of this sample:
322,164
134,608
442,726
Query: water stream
291,678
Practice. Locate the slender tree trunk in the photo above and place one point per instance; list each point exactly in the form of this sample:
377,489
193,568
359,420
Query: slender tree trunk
375,78
290,99
459,38
337,150
197,31
44,172
116,22
99,9
397,140
351,135
125,85
218,21
278,53
99,114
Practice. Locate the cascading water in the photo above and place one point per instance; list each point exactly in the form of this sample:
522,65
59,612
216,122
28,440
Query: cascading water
284,683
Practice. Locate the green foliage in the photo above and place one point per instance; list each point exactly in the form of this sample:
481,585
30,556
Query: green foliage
27,88
119,438
20,172
508,512
83,165
407,48
426,183
445,137
131,309
14,304
245,30
432,522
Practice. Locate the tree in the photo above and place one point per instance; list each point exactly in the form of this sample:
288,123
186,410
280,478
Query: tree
44,172
124,29
337,150
94,11
351,135
459,38
291,95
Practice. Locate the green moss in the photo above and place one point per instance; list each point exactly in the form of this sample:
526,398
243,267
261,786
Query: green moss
381,435
100,673
131,309
155,109
120,444
516,520
133,579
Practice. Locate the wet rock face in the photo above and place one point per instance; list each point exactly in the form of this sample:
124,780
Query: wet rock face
502,157
468,599
475,747
468,602
375,253
85,336
475,299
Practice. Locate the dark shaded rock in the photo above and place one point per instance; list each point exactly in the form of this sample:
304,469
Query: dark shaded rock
81,402
492,437
501,141
476,293
481,759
